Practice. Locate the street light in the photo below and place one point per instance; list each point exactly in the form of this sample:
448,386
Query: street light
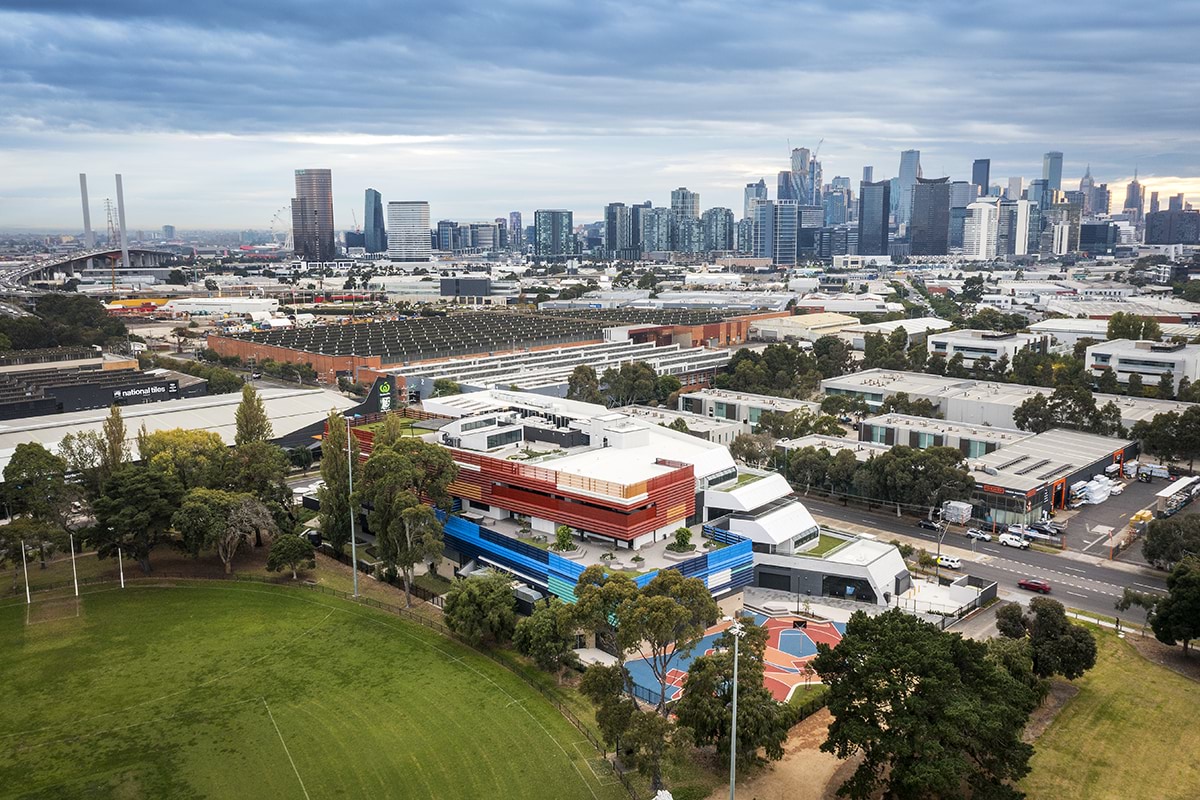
738,631
353,510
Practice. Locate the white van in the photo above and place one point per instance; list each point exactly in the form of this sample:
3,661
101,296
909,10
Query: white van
1012,540
950,562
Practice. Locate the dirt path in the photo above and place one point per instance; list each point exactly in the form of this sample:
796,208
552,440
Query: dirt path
804,772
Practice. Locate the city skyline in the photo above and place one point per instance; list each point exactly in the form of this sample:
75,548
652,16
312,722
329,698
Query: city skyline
560,119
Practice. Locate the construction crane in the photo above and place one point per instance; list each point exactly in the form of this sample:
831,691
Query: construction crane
354,217
817,152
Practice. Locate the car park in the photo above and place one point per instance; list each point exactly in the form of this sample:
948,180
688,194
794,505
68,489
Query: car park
976,533
1034,585
950,562
1012,540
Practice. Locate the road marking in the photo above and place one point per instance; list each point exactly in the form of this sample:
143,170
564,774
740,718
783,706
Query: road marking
1077,594
286,750
1076,569
990,550
1148,586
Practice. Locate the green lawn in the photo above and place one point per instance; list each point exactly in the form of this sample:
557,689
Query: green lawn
825,544
215,691
1130,732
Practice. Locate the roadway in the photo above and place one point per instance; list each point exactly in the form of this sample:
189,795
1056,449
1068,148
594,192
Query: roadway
1077,580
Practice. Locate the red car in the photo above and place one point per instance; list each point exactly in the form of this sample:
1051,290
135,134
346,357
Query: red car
1034,585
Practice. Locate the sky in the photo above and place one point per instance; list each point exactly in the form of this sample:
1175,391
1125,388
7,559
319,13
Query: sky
207,108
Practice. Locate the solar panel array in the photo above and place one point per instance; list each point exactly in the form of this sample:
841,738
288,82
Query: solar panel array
418,338
645,316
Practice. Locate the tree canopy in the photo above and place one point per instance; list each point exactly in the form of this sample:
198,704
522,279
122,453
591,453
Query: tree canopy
1057,646
251,418
134,511
481,609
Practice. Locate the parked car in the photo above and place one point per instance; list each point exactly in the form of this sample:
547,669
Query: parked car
950,562
975,533
1012,540
927,524
1045,528
1019,530
1034,585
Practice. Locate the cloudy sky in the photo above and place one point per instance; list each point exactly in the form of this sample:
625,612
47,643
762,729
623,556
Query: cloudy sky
482,108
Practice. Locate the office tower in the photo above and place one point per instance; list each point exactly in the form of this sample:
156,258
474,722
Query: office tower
1098,238
1154,202
1173,227
635,213
764,229
836,203
809,220
786,230
168,232
1052,169
981,176
1014,189
753,193
503,236
685,203
554,235
962,194
868,175
929,229
446,233
374,233
1059,229
1135,200
408,230
995,190
1037,193
718,229
618,230
910,172
355,239
745,236
874,204
1012,228
1101,199
980,229
1175,202
312,215
658,229
1087,187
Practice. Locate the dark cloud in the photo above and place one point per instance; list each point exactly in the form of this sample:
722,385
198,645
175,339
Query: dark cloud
1109,83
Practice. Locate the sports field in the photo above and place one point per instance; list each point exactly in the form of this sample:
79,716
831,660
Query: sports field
236,690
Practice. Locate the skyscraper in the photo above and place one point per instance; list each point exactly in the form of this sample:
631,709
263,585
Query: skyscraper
929,231
1174,203
981,175
1052,169
910,172
516,232
745,236
753,193
874,204
554,234
446,230
962,195
312,215
658,229
685,203
786,229
1087,187
980,229
764,230
636,212
408,231
618,231
1135,200
1014,188
718,227
374,233
1012,228
1154,202
868,175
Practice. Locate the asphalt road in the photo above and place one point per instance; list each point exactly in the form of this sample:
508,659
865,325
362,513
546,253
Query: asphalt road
1077,581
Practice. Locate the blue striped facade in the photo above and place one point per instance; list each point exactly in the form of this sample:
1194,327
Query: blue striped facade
723,571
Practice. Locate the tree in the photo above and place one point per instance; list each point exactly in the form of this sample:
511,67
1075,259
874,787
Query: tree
334,495
300,457
843,405
83,451
1107,383
598,597
1057,647
669,615
1166,387
901,403
936,364
1133,387
678,424
605,686
248,520
1175,618
562,539
706,707
289,552
834,356
260,469
116,445
548,635
35,485
973,288
808,466
444,387
481,609
213,519
1132,326
134,511
584,386
927,710
753,449
391,431
666,386
195,458
956,367
251,417
1169,540
176,278
634,382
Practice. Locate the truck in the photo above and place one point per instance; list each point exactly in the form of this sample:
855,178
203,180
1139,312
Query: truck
956,512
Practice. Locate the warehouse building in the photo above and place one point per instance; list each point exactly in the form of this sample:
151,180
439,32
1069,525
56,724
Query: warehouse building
801,328
742,407
1149,360
1026,480
710,429
916,329
1069,331
861,450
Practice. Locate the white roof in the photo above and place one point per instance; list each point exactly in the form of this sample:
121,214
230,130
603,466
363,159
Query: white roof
288,410
780,525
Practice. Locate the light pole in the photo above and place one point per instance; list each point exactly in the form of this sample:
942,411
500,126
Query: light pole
350,472
737,630
937,565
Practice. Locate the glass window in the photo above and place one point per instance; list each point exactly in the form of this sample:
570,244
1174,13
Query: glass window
502,439
924,440
976,449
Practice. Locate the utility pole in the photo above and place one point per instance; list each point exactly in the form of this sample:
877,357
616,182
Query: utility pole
353,510
737,630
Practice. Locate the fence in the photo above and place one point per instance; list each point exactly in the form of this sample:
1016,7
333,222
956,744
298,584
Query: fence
399,611
370,569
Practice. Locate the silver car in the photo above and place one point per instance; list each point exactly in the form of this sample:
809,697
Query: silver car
976,533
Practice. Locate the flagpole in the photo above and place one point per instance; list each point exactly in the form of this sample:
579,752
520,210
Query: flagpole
25,569
350,468
121,567
74,572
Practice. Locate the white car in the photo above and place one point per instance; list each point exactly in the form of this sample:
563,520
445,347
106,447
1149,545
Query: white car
950,562
1012,540
976,533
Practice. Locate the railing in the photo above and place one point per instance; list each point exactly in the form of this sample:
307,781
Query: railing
399,611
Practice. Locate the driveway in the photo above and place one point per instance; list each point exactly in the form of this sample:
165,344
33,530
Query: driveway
1113,512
